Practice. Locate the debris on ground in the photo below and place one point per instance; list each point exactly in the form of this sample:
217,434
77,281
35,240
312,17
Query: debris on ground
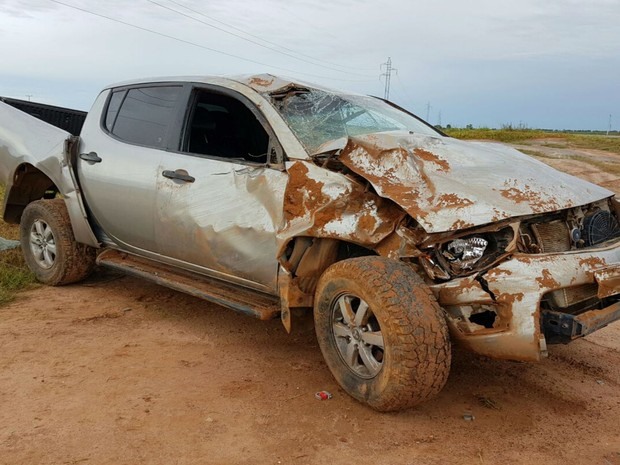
487,402
7,244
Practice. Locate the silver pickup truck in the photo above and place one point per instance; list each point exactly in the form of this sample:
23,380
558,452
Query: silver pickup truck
274,197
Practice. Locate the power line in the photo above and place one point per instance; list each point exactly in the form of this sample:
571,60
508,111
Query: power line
221,52
297,53
250,40
404,89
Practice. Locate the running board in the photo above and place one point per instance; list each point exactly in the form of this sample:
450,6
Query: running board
240,299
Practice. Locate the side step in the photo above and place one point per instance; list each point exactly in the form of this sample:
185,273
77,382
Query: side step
240,299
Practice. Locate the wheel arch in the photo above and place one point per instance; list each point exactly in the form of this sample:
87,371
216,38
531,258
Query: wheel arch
30,183
303,261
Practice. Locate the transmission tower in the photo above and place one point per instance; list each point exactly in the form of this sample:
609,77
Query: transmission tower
388,76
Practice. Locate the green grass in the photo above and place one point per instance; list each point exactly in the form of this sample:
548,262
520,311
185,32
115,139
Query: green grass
606,143
561,139
501,135
14,275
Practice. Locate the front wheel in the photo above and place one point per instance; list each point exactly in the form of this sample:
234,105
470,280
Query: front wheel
49,247
382,333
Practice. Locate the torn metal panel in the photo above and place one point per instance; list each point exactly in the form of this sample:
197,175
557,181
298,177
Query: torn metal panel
446,184
25,139
268,83
326,204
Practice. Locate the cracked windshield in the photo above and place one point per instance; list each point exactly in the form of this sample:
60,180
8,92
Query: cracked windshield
317,117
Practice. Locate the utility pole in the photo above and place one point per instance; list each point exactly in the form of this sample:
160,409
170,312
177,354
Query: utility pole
428,111
388,76
609,126
29,95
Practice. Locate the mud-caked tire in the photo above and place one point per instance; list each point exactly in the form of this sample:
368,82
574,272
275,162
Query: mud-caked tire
364,303
49,246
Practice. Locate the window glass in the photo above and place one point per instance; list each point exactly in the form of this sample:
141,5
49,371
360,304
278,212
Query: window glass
222,126
146,115
115,103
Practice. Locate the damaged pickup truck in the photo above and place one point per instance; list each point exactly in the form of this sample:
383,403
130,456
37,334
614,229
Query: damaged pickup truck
274,197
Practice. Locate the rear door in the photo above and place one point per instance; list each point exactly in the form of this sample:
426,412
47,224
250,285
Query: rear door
120,158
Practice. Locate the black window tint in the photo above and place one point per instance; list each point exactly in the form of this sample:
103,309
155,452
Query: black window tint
222,126
115,102
146,115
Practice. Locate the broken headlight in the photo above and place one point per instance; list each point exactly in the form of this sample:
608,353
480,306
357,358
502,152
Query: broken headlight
466,255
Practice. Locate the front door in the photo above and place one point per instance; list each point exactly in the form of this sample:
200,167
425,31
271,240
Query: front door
218,203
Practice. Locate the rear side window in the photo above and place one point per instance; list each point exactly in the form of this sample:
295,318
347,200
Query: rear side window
144,116
113,106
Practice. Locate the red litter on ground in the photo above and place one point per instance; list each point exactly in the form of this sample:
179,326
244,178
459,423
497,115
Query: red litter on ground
323,395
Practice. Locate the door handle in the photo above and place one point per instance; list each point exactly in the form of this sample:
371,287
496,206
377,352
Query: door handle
181,175
91,157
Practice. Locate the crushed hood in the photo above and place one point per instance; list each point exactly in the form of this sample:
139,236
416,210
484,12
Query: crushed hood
447,184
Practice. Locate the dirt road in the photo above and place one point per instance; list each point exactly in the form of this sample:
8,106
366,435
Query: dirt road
117,371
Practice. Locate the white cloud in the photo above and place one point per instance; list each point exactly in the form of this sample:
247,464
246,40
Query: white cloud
459,55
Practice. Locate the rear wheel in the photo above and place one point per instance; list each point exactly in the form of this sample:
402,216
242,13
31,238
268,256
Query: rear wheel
382,333
49,247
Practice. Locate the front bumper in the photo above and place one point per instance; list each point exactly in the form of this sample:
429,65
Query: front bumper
564,327
514,290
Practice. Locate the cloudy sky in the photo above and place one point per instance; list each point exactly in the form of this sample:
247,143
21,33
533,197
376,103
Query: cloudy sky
551,63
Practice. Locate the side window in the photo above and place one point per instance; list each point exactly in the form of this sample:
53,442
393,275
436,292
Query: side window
113,106
145,115
222,126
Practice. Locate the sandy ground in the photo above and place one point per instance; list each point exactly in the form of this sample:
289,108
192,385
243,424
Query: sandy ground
119,371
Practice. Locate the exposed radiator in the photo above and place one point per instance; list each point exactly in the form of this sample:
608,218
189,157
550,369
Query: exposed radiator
552,236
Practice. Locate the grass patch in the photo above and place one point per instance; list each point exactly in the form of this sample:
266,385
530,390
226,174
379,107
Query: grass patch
611,168
584,141
564,139
14,274
502,135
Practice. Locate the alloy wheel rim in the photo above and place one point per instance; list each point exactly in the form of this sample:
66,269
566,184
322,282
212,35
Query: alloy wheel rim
358,335
43,244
